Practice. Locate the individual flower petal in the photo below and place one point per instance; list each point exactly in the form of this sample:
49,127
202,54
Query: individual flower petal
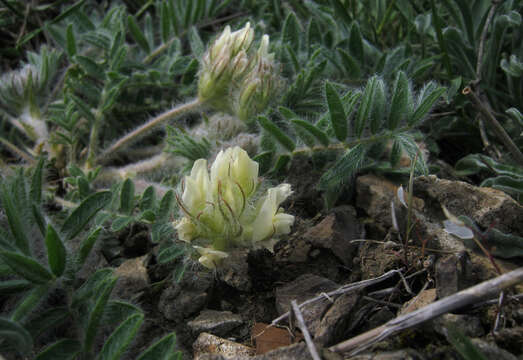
196,188
210,258
186,229
269,222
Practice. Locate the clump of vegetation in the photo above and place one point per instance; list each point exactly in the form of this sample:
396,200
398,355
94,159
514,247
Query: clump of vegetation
356,86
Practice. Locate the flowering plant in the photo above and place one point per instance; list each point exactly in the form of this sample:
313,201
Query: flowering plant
222,209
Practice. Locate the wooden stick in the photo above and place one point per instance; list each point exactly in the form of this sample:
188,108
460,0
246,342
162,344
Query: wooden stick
301,324
472,295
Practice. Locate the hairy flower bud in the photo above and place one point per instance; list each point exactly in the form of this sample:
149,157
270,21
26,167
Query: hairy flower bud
222,209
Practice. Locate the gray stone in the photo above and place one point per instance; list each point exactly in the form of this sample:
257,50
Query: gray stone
234,270
335,232
132,278
297,351
188,296
208,346
218,323
335,321
492,352
469,325
451,273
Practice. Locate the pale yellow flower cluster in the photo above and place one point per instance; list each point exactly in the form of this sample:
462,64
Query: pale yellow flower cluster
234,78
222,210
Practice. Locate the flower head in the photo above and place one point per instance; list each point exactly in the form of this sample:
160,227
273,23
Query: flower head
222,209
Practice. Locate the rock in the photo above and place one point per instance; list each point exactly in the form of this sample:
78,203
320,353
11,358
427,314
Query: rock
374,194
510,339
486,206
334,323
469,325
326,319
303,288
208,346
491,351
424,298
234,270
451,274
132,278
218,323
404,354
376,259
335,232
297,351
269,337
188,296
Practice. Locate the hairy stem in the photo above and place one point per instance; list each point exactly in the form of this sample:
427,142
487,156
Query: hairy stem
141,130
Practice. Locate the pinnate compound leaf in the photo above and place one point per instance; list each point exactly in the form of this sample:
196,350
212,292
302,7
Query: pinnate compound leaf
121,337
378,107
313,130
36,182
14,334
399,108
87,245
366,105
64,349
148,199
29,302
426,100
56,253
291,31
408,145
277,133
91,285
14,219
137,34
26,267
85,212
163,349
46,320
344,168
166,205
337,113
14,286
97,312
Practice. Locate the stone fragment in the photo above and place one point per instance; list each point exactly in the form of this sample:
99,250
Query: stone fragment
218,323
491,351
132,278
424,298
451,274
335,232
486,206
208,346
374,194
468,325
335,321
188,296
297,351
234,270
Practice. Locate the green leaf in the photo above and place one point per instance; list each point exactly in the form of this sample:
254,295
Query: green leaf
265,160
166,205
171,253
64,349
26,267
127,197
137,34
30,301
366,105
196,42
313,130
165,21
344,168
90,67
379,105
351,66
408,145
14,334
47,320
508,184
427,98
121,222
148,199
395,154
163,349
14,219
83,108
36,182
96,313
91,285
118,311
9,287
85,212
71,42
120,339
56,254
280,164
87,245
356,43
341,10
399,108
337,113
474,163
275,131
291,31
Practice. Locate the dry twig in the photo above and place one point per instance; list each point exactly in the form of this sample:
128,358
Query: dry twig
472,295
304,330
